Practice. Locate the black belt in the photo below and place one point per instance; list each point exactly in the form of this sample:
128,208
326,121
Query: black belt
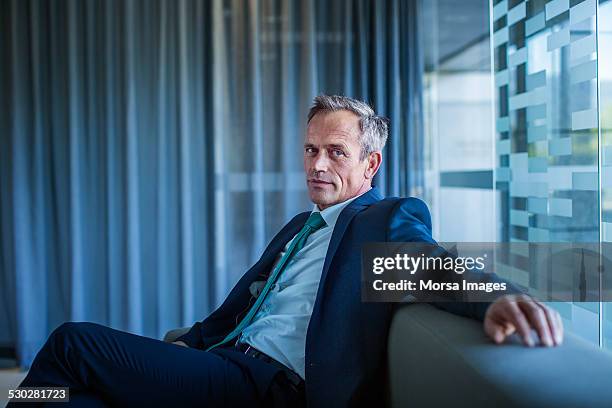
293,377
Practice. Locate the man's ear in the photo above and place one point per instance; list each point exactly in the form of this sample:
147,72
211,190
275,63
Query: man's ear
374,161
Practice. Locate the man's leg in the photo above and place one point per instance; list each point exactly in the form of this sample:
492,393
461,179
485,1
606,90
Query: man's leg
125,369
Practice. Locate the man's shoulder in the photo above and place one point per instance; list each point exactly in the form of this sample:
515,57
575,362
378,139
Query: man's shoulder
402,215
401,206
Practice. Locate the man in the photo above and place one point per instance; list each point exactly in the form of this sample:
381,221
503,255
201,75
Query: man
294,329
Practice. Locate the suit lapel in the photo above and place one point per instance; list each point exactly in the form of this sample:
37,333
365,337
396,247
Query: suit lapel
342,223
278,243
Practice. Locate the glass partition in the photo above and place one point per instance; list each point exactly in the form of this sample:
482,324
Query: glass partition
546,123
604,47
518,113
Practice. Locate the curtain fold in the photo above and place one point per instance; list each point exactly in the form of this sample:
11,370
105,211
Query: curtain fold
149,150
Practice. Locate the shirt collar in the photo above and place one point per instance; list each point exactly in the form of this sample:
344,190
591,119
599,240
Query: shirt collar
330,214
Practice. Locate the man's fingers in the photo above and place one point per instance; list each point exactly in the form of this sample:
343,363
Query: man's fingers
520,314
496,331
539,320
553,323
519,320
558,335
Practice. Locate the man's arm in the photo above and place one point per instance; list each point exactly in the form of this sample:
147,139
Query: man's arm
221,321
193,338
410,221
225,318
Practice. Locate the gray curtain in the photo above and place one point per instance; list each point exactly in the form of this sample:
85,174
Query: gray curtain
149,150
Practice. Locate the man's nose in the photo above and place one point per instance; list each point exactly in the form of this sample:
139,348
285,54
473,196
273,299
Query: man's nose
320,162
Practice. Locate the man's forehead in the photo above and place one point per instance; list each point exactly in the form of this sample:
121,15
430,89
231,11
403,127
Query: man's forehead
333,137
340,125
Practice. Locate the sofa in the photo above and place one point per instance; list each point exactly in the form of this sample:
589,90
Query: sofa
437,359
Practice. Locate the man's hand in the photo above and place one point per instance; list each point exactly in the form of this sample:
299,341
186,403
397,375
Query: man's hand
180,343
521,313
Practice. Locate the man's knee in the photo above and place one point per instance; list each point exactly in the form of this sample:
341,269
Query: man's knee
71,329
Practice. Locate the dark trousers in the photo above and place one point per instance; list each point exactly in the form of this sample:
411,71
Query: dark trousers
107,367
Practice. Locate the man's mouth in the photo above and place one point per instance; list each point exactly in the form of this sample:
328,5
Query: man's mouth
319,182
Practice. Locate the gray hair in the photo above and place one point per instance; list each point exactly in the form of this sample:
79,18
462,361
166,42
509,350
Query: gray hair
374,129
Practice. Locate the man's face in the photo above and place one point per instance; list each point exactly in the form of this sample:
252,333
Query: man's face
334,171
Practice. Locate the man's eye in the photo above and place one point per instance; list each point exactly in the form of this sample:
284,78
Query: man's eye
338,152
309,150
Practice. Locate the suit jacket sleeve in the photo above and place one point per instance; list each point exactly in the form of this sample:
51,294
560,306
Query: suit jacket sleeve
225,318
216,325
410,221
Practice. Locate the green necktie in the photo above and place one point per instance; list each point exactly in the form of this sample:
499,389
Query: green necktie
315,222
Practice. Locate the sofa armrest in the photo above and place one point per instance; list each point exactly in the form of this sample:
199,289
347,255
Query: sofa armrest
440,359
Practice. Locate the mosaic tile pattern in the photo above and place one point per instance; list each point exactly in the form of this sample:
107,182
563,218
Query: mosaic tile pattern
545,81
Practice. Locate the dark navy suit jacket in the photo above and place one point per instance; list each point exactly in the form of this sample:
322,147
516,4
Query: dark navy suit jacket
346,341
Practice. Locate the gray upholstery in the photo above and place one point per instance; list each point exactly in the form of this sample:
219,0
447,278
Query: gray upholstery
437,359
174,334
